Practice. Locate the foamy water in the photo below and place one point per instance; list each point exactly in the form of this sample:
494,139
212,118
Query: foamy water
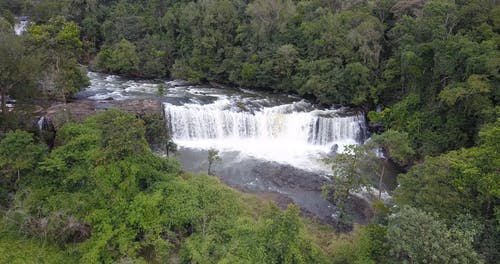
275,128
294,134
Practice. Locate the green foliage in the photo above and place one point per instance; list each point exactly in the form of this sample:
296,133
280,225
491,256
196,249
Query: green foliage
120,58
349,176
18,153
365,245
372,244
282,241
276,238
18,69
395,144
14,249
459,183
431,66
104,196
416,236
58,45
213,157
157,134
443,58
160,90
360,166
122,134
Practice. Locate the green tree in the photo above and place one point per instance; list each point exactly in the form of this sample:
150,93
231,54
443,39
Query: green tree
213,157
160,89
278,237
58,44
269,17
120,58
459,183
18,154
348,176
462,181
152,53
18,68
171,147
395,146
415,236
286,59
157,134
122,134
281,235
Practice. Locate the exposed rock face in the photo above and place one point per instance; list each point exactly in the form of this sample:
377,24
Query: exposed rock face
79,110
288,176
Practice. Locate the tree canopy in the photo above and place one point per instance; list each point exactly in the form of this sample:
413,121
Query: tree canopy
427,73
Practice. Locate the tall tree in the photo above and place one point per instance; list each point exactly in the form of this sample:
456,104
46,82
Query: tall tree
59,45
395,146
349,175
415,236
18,69
18,154
213,157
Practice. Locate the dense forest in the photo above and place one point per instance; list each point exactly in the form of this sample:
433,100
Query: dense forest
427,73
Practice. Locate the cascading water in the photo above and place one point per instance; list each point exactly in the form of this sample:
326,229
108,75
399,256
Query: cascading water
267,142
268,127
294,133
21,26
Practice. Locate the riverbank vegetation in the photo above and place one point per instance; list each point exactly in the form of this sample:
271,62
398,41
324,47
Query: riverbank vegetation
430,67
102,196
426,72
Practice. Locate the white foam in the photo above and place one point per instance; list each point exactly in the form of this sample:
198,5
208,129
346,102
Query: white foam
290,134
21,26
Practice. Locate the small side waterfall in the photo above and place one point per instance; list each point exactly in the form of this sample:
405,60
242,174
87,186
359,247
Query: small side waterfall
46,130
295,123
21,26
44,124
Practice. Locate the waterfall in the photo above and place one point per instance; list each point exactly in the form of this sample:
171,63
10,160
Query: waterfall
21,26
295,123
241,124
44,124
41,123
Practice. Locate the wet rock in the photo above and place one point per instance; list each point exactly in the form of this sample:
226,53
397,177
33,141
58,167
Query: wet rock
333,150
376,127
288,176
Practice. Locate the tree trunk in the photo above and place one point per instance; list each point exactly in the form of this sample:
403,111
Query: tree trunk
381,179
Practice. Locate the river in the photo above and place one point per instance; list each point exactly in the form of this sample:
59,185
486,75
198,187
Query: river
269,144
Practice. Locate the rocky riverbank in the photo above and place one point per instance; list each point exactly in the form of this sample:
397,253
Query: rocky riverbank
79,110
